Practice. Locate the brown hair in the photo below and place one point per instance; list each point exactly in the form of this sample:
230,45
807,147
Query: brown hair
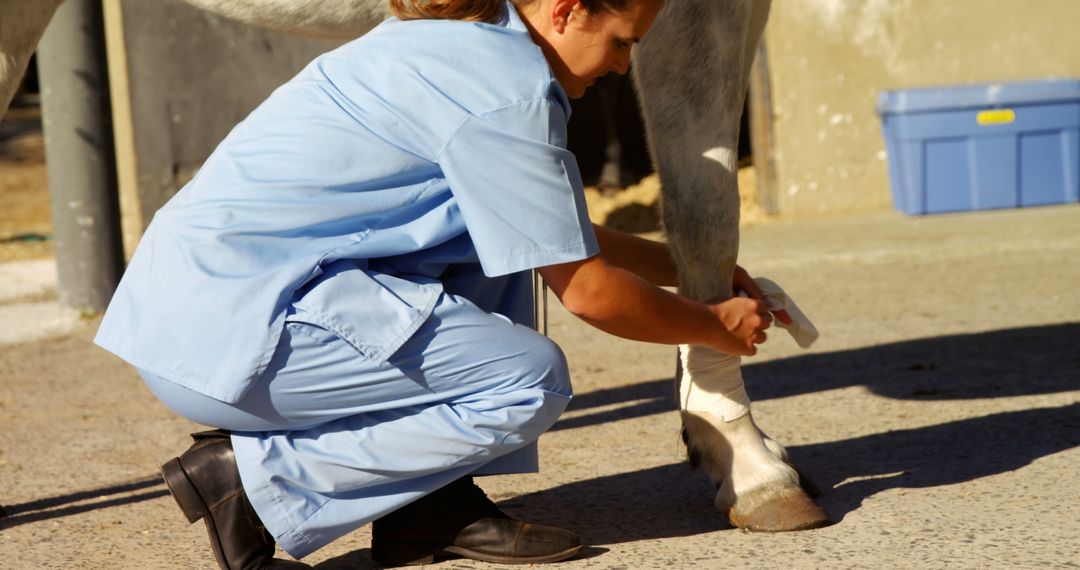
477,10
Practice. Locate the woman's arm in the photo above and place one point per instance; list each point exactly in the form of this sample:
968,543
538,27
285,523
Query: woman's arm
624,304
651,260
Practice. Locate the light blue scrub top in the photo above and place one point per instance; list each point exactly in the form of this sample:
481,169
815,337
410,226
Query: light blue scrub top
422,146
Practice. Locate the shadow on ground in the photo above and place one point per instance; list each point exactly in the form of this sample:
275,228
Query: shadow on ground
145,489
1005,363
639,505
1008,363
361,560
955,452
355,560
670,501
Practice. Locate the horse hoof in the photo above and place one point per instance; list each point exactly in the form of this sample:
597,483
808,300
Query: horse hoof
777,509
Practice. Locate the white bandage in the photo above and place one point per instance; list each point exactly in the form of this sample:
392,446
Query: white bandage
801,329
712,383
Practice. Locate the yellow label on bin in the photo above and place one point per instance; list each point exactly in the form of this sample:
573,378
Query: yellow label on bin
996,117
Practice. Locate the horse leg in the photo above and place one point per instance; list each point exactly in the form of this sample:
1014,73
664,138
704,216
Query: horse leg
692,73
613,174
754,491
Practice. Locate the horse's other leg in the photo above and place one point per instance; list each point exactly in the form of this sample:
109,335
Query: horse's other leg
21,26
692,73
614,173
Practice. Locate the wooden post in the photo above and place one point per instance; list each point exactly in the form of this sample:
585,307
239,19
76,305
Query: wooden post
762,143
131,219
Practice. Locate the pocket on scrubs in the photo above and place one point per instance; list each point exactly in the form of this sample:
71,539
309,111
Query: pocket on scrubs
374,312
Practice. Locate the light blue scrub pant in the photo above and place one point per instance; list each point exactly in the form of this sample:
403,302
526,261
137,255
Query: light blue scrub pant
328,440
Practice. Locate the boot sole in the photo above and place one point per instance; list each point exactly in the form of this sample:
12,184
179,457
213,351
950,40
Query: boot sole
412,554
555,557
191,503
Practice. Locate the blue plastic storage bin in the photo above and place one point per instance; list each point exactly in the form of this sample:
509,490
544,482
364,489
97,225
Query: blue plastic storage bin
979,147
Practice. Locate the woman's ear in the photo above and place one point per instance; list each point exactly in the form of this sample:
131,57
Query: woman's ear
562,11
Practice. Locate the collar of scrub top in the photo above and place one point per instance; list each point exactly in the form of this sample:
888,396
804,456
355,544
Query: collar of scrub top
511,20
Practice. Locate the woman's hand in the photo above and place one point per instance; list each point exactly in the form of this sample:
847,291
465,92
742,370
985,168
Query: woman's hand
744,320
743,283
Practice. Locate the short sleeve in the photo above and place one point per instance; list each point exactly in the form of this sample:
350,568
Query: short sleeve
518,190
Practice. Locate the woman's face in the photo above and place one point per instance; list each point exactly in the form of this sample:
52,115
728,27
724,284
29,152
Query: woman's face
586,46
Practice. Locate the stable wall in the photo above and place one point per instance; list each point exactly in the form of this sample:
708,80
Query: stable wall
829,59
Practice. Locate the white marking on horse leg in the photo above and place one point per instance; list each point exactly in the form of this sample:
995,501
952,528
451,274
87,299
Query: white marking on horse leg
724,156
747,461
753,465
712,388
776,448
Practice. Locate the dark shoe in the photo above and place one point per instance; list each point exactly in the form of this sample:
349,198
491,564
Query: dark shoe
206,484
459,520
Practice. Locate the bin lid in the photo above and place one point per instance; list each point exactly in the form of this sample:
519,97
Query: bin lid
978,95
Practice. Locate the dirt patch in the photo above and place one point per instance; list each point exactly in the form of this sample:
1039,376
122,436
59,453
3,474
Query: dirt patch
25,215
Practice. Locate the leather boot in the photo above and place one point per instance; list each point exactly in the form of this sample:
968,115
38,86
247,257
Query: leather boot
206,484
460,520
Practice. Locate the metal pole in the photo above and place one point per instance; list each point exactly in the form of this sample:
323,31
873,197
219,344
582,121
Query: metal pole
79,153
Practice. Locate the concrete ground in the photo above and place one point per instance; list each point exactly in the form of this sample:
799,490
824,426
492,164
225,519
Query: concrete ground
940,414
